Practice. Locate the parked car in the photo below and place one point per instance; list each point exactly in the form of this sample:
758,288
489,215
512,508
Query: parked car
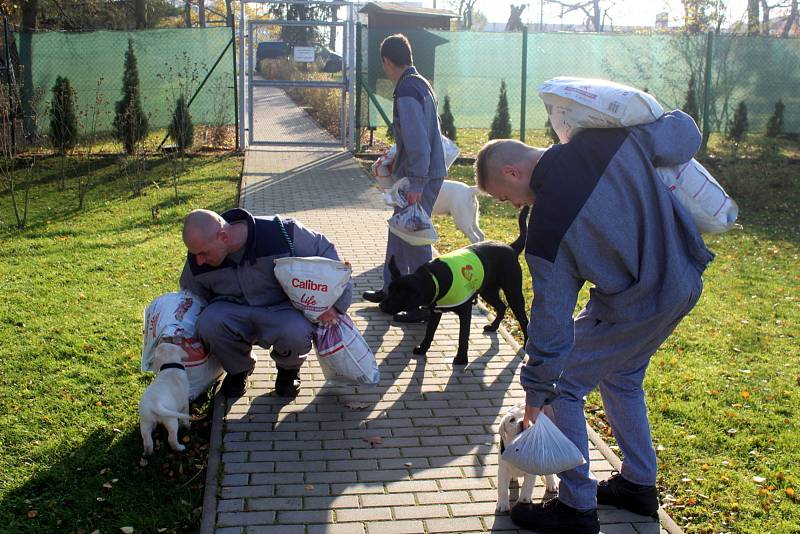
331,62
271,50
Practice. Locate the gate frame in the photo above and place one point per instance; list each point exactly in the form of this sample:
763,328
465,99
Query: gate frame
247,73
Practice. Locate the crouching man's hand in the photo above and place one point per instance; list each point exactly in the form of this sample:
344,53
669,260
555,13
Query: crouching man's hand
329,317
531,413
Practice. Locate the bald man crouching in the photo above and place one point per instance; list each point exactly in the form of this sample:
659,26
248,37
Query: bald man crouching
230,264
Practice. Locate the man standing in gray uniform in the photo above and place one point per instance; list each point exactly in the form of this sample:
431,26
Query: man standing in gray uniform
231,265
600,214
419,157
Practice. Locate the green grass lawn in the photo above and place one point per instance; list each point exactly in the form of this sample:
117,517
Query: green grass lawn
74,285
723,390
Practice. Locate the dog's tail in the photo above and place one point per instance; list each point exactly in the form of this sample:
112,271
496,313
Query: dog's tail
519,244
166,412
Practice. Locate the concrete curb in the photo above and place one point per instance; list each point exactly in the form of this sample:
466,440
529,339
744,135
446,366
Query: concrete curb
208,521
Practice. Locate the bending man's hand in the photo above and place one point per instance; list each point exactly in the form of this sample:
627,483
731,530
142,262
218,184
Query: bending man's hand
531,413
413,198
329,317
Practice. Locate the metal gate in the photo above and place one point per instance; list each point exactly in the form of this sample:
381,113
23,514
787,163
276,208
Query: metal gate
298,74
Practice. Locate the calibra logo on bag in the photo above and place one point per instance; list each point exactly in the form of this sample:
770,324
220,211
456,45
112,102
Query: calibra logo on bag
308,300
309,284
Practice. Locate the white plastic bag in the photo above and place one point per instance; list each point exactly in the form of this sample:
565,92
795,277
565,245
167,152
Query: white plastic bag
577,103
712,210
413,225
543,450
382,168
396,195
313,284
171,318
344,356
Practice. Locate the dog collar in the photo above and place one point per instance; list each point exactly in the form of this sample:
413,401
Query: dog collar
172,366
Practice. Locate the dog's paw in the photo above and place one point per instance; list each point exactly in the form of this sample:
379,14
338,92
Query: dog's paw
490,328
524,500
503,506
180,448
148,451
418,350
460,360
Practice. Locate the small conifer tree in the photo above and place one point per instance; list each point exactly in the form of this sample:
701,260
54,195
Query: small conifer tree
775,122
130,122
501,124
738,126
448,121
63,121
181,129
690,106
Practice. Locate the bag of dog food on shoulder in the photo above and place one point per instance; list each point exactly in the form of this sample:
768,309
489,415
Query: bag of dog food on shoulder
414,226
313,284
344,356
577,103
171,318
542,449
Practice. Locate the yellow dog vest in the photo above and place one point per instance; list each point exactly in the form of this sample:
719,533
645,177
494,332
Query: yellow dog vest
467,271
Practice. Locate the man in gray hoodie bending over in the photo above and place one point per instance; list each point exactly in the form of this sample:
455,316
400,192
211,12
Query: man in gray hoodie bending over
600,214
419,157
231,264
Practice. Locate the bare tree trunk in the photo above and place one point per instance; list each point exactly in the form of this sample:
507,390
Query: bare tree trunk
141,14
790,20
187,14
596,16
765,8
229,12
752,17
201,9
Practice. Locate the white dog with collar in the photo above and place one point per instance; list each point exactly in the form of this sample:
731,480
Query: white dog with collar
460,201
166,399
510,426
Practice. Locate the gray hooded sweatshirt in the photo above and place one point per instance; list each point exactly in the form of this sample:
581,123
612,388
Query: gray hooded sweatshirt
602,215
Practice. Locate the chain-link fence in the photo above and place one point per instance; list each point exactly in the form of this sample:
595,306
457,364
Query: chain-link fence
469,67
170,62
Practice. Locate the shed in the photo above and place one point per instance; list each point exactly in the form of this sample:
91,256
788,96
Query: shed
396,15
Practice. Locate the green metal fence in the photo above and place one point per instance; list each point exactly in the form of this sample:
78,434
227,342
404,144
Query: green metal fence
170,61
469,66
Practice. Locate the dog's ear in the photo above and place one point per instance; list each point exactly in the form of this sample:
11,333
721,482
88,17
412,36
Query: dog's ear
393,270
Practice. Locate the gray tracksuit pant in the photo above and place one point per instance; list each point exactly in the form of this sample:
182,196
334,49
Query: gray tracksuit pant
230,330
409,257
613,356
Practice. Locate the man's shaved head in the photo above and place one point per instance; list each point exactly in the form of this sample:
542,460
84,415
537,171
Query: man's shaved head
494,155
201,226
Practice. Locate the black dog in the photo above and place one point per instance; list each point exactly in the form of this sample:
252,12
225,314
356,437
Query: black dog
432,286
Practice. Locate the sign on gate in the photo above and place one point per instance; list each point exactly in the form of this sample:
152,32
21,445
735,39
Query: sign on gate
304,54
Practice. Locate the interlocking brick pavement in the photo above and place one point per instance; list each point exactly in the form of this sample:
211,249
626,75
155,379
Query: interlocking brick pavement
308,465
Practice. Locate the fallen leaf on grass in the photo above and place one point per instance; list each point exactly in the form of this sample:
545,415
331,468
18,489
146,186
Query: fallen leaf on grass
374,440
759,480
790,493
745,394
127,530
32,514
186,439
107,485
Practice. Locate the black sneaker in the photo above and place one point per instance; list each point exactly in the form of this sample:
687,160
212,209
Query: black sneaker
554,516
374,296
616,491
235,385
287,384
420,315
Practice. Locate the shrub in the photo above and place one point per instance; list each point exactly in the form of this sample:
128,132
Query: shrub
690,106
775,122
447,120
737,127
130,122
181,129
63,122
501,124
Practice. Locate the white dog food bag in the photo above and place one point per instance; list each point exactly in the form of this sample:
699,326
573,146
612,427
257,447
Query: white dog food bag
414,226
312,284
382,168
543,450
712,210
344,356
577,103
171,318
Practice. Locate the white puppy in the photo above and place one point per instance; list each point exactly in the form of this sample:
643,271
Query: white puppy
510,426
460,201
166,399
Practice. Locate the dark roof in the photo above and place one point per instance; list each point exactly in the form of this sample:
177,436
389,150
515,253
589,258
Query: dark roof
405,9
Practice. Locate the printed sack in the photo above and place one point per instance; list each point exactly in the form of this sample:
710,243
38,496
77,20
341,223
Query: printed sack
312,284
543,450
382,168
413,225
577,103
171,318
344,356
712,210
